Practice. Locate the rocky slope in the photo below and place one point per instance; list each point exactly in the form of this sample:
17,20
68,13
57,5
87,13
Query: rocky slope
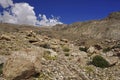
107,28
31,53
26,55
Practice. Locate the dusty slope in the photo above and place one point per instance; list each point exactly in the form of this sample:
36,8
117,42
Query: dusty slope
95,30
62,60
107,28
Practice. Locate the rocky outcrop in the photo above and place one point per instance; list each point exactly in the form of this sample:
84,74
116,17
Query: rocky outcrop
23,64
114,15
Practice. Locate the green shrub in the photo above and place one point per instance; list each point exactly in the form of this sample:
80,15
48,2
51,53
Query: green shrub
66,49
1,67
83,49
47,56
45,76
89,69
66,54
106,49
99,61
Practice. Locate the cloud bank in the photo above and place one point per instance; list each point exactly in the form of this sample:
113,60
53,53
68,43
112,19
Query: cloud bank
6,3
23,13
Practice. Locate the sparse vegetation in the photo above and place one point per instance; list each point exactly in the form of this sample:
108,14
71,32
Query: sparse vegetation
89,69
99,61
45,76
66,49
47,56
106,49
67,54
83,49
1,67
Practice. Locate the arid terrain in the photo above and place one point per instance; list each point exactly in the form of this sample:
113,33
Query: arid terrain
80,51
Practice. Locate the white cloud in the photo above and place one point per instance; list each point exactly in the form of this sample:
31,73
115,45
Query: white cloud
23,13
44,21
7,18
6,3
20,13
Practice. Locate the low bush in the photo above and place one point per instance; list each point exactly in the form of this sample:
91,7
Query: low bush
99,61
67,54
83,49
47,56
66,49
89,69
1,67
106,49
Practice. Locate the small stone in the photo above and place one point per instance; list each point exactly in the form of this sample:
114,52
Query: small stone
91,49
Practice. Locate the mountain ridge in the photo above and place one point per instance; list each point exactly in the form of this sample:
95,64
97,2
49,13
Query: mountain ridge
106,28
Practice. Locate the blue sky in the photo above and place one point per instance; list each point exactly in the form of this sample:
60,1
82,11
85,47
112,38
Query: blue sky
74,10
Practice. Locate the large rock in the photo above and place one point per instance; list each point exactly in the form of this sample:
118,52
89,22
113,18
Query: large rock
112,60
52,53
91,49
3,59
23,64
5,37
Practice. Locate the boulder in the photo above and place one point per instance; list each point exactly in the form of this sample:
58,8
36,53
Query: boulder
112,60
46,37
5,37
23,64
109,53
30,33
55,47
91,49
3,59
52,53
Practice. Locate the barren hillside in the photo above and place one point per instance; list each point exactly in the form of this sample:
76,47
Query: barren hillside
79,51
94,30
